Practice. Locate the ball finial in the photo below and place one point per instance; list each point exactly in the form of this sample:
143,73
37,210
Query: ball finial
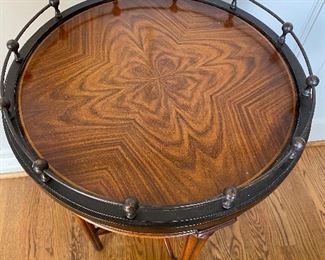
298,144
55,4
13,46
312,81
287,27
130,207
40,165
230,194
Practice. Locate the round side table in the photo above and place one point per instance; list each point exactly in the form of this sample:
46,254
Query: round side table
157,118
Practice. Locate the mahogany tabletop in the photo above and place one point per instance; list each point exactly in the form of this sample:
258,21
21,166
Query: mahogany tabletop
169,104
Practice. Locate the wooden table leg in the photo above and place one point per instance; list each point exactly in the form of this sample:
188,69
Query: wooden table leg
194,243
193,247
91,233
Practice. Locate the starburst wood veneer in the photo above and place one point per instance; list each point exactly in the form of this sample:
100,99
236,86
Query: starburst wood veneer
168,105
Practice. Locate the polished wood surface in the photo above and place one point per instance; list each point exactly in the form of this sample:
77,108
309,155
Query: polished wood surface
168,105
288,225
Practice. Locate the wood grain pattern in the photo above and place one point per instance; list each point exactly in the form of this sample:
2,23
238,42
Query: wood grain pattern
151,100
288,225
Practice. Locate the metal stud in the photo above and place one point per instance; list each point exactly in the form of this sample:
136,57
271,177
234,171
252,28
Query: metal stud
130,207
233,5
311,82
4,103
39,166
13,46
230,194
44,178
55,4
286,28
298,145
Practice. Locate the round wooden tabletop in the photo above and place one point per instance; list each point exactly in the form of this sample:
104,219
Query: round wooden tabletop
168,103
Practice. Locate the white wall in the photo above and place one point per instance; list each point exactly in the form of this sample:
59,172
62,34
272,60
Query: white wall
13,16
308,17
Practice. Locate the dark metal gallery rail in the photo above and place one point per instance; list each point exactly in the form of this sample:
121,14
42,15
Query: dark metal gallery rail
41,166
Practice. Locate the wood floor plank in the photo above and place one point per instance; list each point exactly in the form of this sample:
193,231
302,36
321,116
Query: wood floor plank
288,225
315,184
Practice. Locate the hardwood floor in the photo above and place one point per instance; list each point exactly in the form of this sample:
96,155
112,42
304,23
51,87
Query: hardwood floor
290,224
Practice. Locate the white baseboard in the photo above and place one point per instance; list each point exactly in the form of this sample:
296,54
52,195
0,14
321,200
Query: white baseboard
8,162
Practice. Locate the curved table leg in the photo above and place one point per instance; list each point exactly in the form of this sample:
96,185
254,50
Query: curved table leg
193,247
194,243
91,233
